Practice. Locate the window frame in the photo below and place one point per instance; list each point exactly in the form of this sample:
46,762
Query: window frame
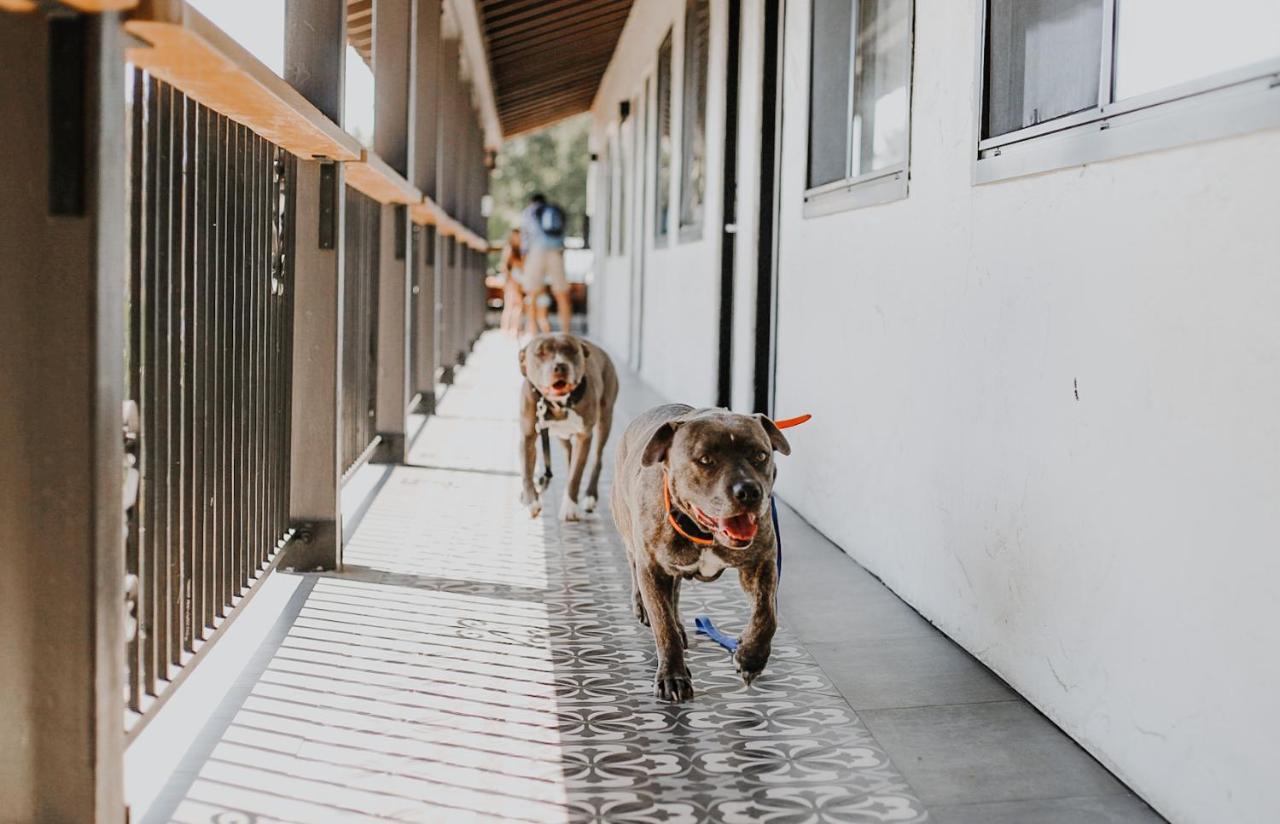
1233,102
662,210
872,188
692,231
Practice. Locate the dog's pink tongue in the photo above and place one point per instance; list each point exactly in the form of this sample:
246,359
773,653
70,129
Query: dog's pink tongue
742,527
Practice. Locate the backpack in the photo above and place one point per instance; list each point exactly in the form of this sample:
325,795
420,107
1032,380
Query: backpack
551,219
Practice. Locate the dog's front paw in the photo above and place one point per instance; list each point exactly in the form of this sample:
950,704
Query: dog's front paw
589,503
531,499
569,510
750,661
673,684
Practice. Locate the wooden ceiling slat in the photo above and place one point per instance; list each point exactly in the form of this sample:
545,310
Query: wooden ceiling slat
552,63
547,56
589,29
565,78
542,23
523,9
564,108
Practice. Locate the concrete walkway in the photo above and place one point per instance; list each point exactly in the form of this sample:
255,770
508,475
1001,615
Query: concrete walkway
472,664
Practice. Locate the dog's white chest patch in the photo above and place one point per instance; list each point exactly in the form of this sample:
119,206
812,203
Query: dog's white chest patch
710,564
565,429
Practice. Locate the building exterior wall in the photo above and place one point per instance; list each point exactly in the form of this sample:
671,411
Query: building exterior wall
681,290
1044,407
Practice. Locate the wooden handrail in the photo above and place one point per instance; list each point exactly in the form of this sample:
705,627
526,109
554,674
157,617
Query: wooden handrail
190,53
186,50
100,5
372,176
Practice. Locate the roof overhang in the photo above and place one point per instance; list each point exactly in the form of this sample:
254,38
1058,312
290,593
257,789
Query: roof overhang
546,57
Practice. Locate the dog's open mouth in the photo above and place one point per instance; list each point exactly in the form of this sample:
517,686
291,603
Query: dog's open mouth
559,386
736,531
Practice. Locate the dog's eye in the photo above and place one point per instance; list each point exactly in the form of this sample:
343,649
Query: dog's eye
706,460
760,457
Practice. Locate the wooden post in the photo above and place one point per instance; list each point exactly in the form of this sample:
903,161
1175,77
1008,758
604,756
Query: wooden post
394,87
315,64
62,284
424,120
446,247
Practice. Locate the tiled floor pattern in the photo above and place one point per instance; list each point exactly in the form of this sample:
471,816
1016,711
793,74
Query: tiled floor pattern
472,664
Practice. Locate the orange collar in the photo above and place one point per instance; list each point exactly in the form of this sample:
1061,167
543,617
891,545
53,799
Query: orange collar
671,515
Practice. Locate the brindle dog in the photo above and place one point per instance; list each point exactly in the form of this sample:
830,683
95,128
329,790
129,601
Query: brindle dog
569,391
718,471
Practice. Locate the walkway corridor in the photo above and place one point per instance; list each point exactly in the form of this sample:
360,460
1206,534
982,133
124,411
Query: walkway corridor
471,664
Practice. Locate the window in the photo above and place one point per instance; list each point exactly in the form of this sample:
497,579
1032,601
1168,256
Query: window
1045,59
1073,81
693,133
662,187
859,103
1161,43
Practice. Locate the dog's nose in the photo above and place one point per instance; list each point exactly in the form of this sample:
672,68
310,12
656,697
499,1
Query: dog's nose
747,493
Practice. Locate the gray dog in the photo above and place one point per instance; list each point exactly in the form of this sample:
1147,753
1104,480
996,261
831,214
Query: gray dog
691,497
569,391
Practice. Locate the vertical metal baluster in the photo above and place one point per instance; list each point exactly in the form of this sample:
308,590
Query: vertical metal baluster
245,414
173,649
351,278
272,444
189,348
137,370
272,327
203,610
370,385
160,439
224,317
234,349
261,483
285,412
255,366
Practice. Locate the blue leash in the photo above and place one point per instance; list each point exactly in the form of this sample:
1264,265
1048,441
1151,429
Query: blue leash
703,624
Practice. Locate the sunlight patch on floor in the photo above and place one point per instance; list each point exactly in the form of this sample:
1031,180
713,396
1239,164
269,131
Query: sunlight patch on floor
385,701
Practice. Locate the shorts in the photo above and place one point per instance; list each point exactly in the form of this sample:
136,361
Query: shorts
545,266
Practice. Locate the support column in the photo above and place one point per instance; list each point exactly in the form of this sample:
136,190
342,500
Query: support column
394,90
425,117
62,283
446,251
315,64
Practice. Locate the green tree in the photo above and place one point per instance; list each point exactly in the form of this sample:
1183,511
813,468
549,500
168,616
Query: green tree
552,161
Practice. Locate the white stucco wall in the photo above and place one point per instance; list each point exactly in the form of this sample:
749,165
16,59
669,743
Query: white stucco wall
1115,556
682,293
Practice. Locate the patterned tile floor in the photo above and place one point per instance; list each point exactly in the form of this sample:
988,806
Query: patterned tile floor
472,664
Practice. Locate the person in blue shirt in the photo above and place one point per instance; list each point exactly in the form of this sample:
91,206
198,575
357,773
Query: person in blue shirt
542,228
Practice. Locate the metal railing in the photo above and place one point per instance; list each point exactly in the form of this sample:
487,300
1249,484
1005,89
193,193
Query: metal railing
210,366
360,328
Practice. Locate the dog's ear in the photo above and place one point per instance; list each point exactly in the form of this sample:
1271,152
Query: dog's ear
776,437
522,365
656,449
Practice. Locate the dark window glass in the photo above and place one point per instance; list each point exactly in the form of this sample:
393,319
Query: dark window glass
662,191
693,144
1044,60
829,91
